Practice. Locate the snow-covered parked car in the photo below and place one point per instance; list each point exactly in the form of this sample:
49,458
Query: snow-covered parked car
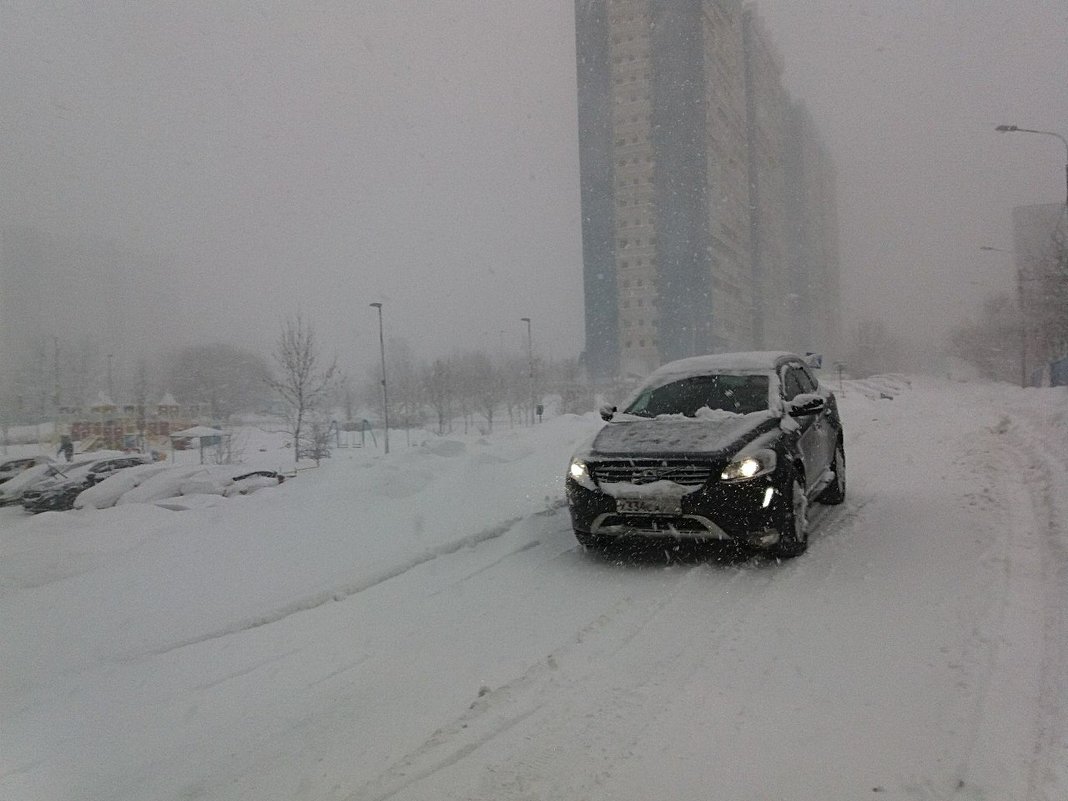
59,493
162,484
107,492
729,448
12,490
9,468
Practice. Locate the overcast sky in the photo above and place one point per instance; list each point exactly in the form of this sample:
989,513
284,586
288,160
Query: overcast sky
320,156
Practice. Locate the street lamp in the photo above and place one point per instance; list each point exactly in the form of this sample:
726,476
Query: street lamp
530,365
382,349
1018,129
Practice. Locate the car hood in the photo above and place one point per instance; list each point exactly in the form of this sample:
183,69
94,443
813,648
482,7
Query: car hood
671,435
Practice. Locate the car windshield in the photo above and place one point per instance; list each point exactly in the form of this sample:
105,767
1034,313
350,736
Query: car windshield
687,396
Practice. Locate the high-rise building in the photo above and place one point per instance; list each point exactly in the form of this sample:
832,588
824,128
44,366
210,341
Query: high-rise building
682,147
767,104
812,262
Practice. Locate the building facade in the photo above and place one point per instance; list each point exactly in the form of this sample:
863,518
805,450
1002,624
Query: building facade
767,104
682,147
1040,252
812,263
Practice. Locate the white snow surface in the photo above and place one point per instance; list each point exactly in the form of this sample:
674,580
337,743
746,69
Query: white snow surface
424,626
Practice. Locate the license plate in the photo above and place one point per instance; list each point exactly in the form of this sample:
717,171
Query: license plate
649,506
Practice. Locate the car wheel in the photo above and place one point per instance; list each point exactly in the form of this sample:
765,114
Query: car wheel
793,535
836,490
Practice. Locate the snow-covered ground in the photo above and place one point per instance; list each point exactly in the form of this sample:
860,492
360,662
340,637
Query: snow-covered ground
423,626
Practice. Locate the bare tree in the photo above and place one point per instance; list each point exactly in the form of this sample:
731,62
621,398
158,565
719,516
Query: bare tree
990,342
227,378
303,381
406,393
484,383
439,383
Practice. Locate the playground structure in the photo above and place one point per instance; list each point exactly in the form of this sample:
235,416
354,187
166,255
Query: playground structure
131,427
353,433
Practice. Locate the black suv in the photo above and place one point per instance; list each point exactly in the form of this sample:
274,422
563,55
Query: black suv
729,448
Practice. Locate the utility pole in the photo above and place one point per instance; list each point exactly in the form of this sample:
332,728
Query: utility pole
385,396
530,366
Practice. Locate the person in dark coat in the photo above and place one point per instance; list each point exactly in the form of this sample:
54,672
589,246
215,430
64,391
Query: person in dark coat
66,447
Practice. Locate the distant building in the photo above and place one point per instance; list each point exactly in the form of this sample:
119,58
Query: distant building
1039,238
685,222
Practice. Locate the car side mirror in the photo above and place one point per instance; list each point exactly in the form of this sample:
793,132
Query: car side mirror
806,405
608,412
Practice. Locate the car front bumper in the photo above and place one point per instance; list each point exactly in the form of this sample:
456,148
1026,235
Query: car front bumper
745,513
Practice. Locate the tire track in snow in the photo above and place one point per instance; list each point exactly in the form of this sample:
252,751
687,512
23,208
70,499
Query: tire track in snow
621,666
336,594
1046,470
1025,619
533,693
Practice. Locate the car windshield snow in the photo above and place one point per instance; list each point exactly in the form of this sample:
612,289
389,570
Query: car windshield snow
740,394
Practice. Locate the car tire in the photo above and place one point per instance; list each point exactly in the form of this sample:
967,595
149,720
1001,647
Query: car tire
591,542
793,534
836,491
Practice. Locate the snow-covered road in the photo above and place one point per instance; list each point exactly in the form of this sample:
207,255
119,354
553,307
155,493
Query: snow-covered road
427,628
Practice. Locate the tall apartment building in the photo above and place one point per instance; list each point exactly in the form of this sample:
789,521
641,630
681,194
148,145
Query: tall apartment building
812,266
767,104
682,147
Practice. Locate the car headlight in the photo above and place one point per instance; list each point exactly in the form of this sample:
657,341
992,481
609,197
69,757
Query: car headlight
580,473
751,465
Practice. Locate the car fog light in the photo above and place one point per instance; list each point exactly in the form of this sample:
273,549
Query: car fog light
765,538
769,493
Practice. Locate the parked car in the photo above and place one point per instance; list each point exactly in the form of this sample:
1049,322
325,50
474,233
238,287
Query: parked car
729,448
59,493
10,468
11,491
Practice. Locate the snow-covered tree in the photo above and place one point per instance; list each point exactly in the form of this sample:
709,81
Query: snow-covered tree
303,380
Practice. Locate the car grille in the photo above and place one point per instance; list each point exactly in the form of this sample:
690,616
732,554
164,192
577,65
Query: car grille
646,472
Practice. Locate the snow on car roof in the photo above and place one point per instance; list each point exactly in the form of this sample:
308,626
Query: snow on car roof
750,360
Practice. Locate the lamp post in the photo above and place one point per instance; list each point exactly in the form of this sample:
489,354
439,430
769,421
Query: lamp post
530,365
1018,129
385,396
111,387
